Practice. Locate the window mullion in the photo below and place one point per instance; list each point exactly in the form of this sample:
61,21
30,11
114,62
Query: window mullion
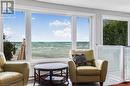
28,35
74,32
129,33
1,33
90,31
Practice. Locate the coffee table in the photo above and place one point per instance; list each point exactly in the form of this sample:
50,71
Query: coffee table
57,73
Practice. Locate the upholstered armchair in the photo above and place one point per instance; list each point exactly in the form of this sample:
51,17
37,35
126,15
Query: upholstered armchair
86,74
13,74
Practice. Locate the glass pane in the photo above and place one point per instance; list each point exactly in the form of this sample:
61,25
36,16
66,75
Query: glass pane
127,62
115,32
51,36
14,33
112,55
83,32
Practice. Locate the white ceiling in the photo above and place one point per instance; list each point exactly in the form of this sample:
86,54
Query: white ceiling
114,5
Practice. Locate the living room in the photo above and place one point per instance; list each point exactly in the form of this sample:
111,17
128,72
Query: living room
40,31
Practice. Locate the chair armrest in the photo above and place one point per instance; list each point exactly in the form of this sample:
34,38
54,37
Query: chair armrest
18,67
102,65
72,71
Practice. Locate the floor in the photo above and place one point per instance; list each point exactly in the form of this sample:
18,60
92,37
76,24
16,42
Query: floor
123,84
70,84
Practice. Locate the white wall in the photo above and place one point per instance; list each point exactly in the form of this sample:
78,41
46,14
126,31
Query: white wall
43,6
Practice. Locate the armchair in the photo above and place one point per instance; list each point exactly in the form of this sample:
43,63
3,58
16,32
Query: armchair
84,74
13,74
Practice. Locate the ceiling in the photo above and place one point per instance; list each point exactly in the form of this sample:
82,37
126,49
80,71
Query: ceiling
114,5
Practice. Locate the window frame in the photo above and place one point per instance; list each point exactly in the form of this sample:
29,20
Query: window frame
2,29
117,18
90,31
28,20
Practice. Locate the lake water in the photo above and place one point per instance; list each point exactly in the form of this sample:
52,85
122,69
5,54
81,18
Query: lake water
52,49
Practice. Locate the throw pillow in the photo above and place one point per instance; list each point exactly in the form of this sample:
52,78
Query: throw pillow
79,60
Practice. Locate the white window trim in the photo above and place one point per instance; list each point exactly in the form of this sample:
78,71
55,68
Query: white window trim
1,33
74,32
90,30
112,17
53,11
129,32
99,29
28,35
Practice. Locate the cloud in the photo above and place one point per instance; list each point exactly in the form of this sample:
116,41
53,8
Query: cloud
62,29
33,18
65,33
8,32
59,23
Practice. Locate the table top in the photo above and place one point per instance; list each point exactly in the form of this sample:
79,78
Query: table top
51,66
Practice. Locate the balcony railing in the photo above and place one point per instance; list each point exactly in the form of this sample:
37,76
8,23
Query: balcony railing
118,62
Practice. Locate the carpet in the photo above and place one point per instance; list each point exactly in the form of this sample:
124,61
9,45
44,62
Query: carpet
122,84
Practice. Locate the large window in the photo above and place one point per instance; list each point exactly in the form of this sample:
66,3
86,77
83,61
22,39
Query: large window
13,35
115,32
51,36
83,32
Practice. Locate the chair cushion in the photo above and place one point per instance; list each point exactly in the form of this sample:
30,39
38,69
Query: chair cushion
2,61
10,77
87,70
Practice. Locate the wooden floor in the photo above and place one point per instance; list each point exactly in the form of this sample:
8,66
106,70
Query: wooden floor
122,84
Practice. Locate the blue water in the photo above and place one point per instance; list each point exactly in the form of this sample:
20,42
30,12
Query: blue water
53,49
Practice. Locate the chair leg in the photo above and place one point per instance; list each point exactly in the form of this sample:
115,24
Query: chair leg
101,83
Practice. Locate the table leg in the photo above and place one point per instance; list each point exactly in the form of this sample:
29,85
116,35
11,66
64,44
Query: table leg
39,76
34,77
61,72
67,75
51,74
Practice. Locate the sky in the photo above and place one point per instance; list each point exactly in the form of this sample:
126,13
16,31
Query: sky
45,27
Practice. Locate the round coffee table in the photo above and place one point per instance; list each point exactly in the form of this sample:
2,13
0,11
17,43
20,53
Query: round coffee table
57,72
